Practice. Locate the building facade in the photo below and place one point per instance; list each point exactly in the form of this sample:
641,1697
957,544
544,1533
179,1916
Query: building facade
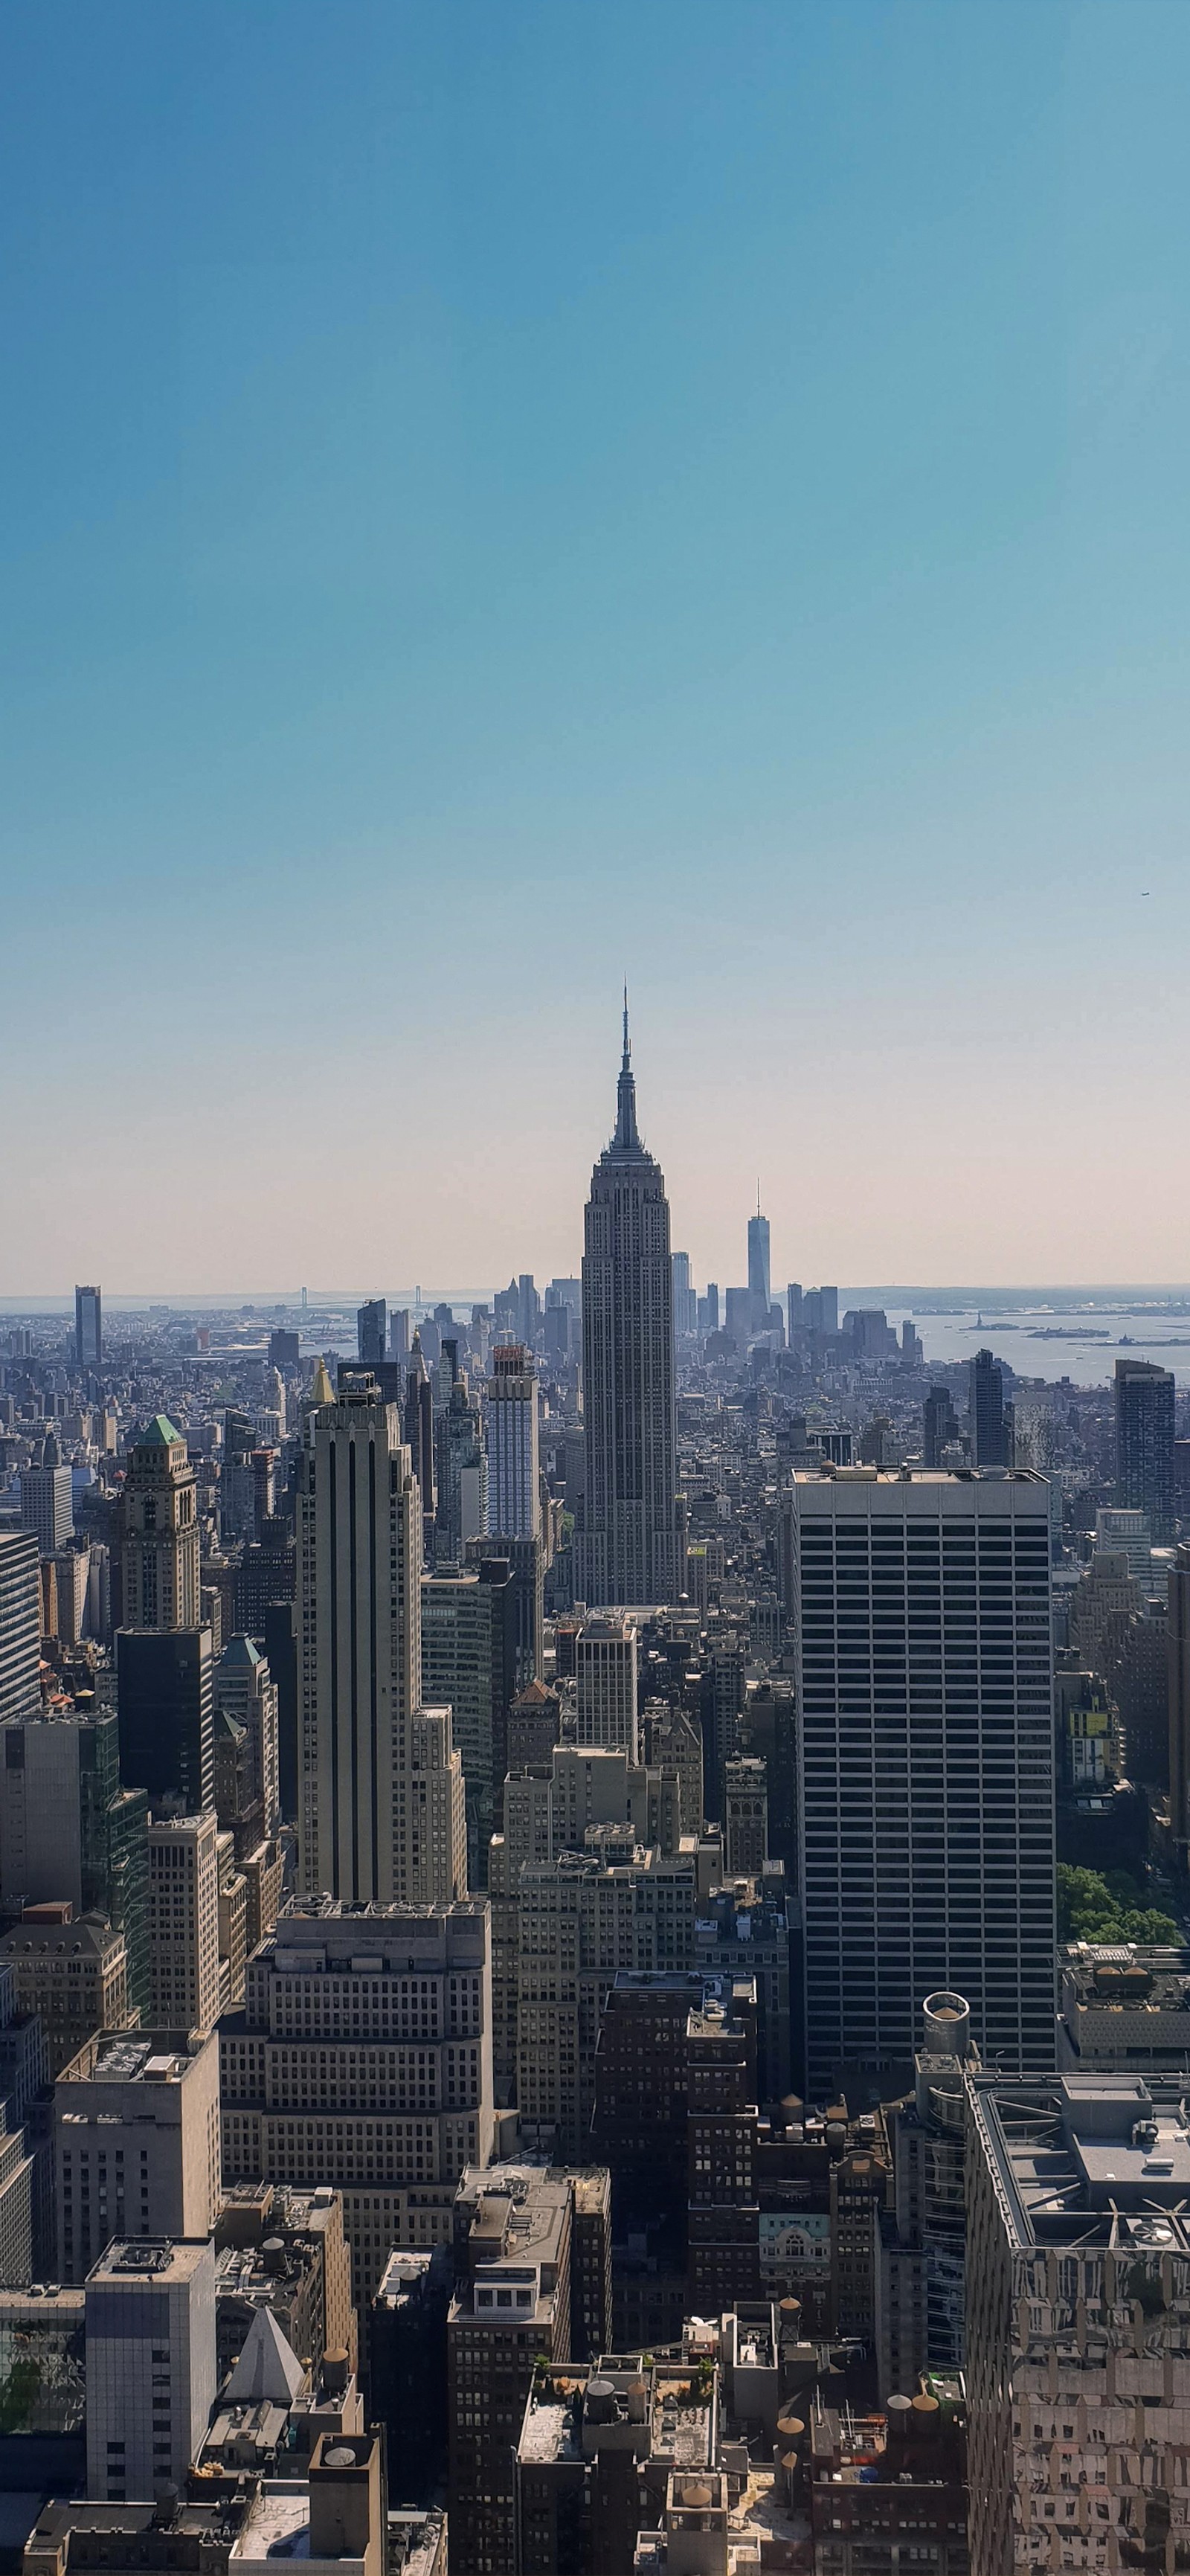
759,1283
514,1470
136,2143
20,1625
184,1921
1145,1445
164,1698
360,1830
47,1506
926,1788
630,1546
69,1832
580,1919
1078,2322
362,2059
469,1665
150,2329
88,1328
73,1975
606,1675
159,1531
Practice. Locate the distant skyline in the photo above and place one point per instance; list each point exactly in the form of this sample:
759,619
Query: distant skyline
894,1293
499,498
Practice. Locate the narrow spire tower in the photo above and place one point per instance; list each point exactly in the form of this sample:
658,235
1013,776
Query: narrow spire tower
626,1137
759,1284
630,1546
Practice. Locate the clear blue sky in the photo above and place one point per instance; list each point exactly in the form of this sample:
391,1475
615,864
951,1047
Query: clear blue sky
496,495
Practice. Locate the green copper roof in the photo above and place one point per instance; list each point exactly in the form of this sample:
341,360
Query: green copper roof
157,1434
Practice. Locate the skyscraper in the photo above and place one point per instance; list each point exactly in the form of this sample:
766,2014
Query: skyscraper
150,2329
359,1658
685,1297
939,1425
136,2142
758,1266
606,1675
926,1791
629,1547
1144,1444
184,1922
362,2059
990,1440
69,1830
1076,2321
47,1507
462,1474
468,1664
88,1328
20,1625
514,1474
159,1531
164,1698
418,1419
1178,1691
245,1695
370,1326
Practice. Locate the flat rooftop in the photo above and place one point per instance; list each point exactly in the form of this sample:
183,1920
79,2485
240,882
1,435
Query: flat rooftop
301,1910
278,2522
154,2262
946,1477
1089,2159
681,2429
552,2429
1127,1976
138,2057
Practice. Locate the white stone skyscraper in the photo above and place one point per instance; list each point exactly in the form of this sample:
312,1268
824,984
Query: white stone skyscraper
629,1546
381,1791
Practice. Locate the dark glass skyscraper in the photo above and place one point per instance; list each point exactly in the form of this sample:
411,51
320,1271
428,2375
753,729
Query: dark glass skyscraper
628,1548
371,1327
939,1425
991,1444
926,1793
759,1284
88,1327
164,1699
1144,1445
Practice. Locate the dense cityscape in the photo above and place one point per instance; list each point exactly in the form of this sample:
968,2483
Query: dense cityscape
594,1972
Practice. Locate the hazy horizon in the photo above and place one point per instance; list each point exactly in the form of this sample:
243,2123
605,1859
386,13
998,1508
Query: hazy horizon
51,1301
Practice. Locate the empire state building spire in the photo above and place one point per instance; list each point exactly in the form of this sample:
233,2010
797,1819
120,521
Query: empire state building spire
627,1140
630,1541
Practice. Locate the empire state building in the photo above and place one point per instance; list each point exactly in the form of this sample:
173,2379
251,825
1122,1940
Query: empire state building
629,1542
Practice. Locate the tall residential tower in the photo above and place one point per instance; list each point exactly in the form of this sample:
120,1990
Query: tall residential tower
1144,1444
514,1475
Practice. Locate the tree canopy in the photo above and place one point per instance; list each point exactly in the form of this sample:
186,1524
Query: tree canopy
1097,1907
